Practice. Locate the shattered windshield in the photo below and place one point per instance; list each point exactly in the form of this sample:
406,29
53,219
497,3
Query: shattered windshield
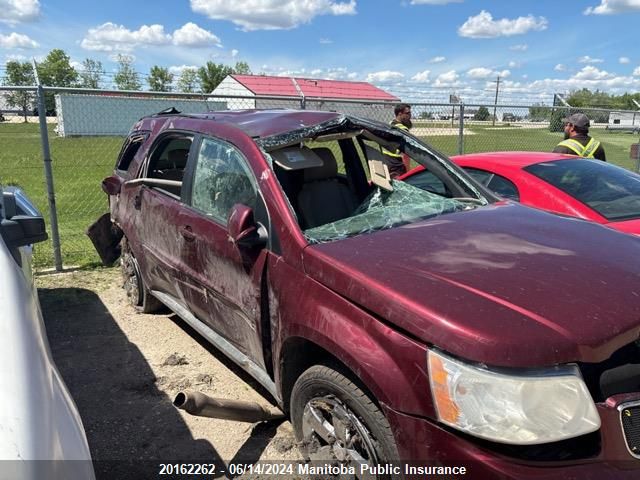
386,209
336,180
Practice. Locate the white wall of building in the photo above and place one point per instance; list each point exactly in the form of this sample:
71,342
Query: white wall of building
105,115
230,86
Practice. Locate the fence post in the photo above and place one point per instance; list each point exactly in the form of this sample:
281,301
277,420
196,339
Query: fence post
461,130
48,173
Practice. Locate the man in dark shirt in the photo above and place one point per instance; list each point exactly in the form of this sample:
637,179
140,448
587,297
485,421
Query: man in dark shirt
577,140
397,162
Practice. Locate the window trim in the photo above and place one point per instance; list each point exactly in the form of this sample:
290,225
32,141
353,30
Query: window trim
161,138
144,135
490,178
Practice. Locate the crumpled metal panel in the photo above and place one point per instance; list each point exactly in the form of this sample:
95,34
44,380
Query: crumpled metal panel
383,209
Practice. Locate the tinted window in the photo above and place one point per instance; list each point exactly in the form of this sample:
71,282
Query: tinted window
221,179
496,183
611,191
426,180
129,150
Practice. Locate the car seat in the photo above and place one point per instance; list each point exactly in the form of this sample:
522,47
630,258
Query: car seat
325,196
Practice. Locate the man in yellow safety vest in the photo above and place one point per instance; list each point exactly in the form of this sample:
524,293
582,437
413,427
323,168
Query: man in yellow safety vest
577,140
398,163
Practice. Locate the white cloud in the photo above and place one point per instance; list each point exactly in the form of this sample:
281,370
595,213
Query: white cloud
624,60
588,59
611,7
479,73
16,11
17,40
271,14
352,76
110,37
326,41
513,64
592,73
522,47
447,79
115,57
178,69
484,26
560,68
434,2
191,35
422,77
15,57
384,76
234,53
636,72
437,60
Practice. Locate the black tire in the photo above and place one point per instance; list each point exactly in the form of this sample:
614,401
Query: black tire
325,391
137,293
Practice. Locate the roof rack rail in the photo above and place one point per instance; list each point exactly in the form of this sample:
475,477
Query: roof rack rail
169,111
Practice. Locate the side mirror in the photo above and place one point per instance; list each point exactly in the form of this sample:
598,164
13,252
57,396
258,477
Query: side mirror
21,223
244,231
112,185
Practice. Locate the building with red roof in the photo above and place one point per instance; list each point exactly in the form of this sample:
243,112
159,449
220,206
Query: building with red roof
263,91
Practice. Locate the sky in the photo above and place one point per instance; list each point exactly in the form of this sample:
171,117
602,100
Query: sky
419,50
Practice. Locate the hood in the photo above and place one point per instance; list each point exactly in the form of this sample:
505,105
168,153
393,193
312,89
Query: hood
504,284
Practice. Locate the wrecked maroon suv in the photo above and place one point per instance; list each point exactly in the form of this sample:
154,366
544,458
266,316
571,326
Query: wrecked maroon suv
436,326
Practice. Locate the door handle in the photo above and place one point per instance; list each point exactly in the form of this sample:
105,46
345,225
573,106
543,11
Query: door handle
187,233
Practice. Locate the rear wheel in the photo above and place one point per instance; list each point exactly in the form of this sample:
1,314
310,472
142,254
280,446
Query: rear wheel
137,294
337,423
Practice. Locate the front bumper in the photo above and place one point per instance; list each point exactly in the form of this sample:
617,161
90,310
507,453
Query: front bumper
422,442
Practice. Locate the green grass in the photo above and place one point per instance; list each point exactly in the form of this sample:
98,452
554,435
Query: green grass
80,164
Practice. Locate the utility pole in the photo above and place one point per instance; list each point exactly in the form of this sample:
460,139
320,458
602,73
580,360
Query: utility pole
495,103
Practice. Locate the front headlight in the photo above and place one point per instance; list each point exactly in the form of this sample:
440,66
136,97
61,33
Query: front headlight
539,407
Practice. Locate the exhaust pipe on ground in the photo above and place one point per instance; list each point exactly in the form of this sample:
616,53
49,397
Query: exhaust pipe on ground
202,405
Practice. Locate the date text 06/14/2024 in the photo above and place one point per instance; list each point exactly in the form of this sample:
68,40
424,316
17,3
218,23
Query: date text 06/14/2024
267,468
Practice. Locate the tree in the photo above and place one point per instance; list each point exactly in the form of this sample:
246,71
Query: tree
160,79
242,68
126,77
20,74
211,74
188,81
539,113
56,71
555,122
482,114
91,73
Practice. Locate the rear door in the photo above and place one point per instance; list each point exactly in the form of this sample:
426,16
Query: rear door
154,214
223,284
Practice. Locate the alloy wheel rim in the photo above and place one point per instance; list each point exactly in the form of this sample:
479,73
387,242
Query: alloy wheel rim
334,435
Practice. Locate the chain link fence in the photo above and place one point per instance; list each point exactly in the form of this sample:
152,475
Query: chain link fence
89,126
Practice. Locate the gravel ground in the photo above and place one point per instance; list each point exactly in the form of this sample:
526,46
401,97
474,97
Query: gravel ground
124,368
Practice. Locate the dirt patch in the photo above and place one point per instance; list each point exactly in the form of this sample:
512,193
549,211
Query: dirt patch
124,368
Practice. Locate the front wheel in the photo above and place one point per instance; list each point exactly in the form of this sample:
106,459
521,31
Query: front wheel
337,423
